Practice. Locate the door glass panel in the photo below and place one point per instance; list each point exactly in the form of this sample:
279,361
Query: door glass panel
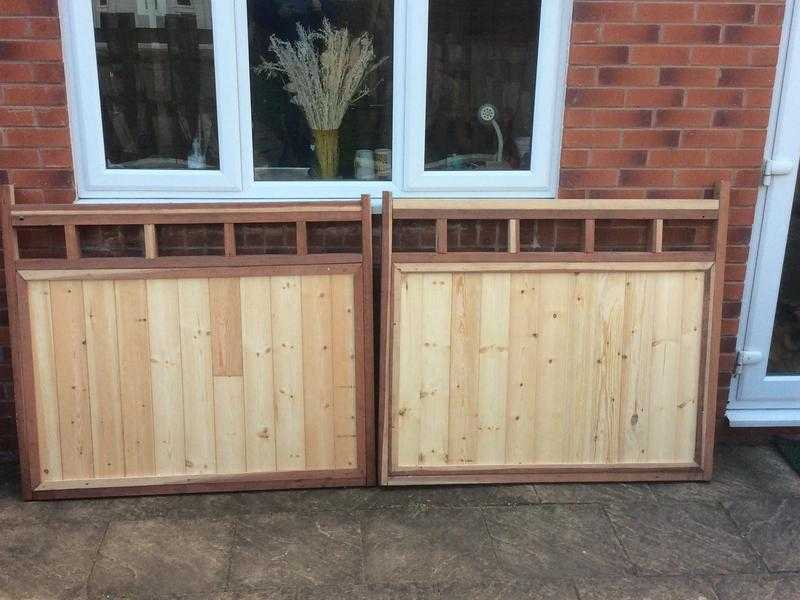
481,78
784,355
155,63
319,112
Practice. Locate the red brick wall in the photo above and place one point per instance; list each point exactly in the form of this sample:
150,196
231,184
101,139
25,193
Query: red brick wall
664,98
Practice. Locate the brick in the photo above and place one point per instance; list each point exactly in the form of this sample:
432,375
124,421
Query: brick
33,95
742,216
595,55
683,157
764,57
751,34
770,14
34,137
651,138
691,34
617,158
683,117
11,158
589,177
727,12
628,76
714,98
646,177
591,138
756,138
41,178
740,197
30,50
654,97
700,177
749,118
665,12
51,116
585,33
604,12
16,116
578,117
658,55
574,158
747,77
748,177
37,28
720,55
623,118
582,77
32,8
595,97
630,34
689,76
758,98
709,138
738,157
59,158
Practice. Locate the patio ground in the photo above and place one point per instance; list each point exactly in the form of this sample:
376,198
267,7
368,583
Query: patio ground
736,538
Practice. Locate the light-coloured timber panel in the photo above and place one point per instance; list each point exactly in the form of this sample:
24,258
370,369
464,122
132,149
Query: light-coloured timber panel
545,368
152,378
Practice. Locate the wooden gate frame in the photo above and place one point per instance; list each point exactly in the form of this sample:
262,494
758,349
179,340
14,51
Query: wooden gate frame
16,217
588,211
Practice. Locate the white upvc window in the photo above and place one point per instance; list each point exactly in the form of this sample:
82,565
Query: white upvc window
167,101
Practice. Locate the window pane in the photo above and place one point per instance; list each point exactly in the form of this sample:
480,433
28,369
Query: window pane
310,138
481,79
157,91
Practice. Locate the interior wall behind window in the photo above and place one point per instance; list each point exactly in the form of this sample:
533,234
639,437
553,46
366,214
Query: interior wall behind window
283,142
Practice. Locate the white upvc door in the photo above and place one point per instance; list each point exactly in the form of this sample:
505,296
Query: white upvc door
767,388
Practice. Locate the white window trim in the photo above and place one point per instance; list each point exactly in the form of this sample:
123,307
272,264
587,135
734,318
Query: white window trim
235,180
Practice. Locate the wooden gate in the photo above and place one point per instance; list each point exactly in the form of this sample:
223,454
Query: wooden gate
163,374
546,362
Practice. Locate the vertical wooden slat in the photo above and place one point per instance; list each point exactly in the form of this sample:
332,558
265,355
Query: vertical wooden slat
637,348
344,369
229,233
318,372
493,382
580,356
464,368
73,243
408,386
435,378
198,385
554,367
689,368
522,357
104,379
259,393
134,376
657,236
441,236
166,368
69,337
150,241
45,381
287,332
588,235
229,429
302,238
513,236
665,361
226,326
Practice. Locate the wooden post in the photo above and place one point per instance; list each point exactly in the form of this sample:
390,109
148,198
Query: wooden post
588,235
513,236
657,236
230,239
150,241
441,236
302,238
72,242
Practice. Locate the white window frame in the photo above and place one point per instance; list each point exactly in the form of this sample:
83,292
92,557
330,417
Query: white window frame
236,180
94,179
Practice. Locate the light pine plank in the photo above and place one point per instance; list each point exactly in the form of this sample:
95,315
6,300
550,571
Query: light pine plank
100,313
44,379
134,377
689,367
72,377
435,358
226,326
318,373
493,375
554,367
464,368
344,370
581,357
166,367
637,349
259,393
607,338
408,386
198,385
287,332
229,427
522,357
665,362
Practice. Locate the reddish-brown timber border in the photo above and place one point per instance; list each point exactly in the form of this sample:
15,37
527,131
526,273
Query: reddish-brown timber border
656,211
19,271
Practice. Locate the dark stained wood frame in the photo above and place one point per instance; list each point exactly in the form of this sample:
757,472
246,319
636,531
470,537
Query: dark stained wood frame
19,271
655,211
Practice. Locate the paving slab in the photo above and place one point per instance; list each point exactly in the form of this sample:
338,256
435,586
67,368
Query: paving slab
758,587
772,527
646,588
601,493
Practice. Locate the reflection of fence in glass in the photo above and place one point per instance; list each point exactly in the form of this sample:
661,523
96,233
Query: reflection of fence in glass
157,85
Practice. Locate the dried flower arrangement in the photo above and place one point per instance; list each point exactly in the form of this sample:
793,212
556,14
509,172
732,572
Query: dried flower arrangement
325,73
